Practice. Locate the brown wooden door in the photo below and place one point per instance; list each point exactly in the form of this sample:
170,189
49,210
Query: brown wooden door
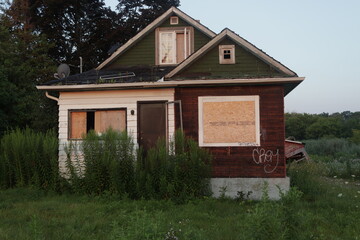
151,124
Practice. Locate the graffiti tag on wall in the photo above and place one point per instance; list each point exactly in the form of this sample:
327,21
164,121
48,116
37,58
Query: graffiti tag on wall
266,158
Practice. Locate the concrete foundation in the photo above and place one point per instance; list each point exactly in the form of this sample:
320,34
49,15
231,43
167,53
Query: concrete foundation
231,187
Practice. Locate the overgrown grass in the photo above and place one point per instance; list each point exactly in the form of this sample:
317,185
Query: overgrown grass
331,213
29,158
316,207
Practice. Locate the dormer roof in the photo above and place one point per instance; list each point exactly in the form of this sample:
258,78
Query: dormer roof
227,33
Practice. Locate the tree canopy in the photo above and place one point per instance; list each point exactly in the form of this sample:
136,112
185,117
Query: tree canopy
302,126
84,28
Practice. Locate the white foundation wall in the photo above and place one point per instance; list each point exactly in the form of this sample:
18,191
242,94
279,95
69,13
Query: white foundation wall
230,187
110,99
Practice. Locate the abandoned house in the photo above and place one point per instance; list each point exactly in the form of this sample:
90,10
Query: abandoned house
224,92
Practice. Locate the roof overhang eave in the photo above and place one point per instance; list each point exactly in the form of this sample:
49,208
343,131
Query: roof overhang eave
289,83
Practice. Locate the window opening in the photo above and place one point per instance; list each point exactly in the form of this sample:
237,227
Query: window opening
90,121
227,54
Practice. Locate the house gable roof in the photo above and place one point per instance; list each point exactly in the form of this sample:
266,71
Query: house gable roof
151,27
240,41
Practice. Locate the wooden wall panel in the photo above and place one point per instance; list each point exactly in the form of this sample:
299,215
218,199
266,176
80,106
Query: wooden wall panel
266,160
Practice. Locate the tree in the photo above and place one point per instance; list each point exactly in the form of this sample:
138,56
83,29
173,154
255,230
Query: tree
23,64
297,123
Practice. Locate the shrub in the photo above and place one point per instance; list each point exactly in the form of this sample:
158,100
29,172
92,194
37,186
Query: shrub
29,158
334,147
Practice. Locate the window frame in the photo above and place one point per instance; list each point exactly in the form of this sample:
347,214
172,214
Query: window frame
222,59
190,40
69,129
174,20
203,99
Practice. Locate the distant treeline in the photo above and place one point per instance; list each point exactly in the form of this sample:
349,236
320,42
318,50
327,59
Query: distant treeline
302,126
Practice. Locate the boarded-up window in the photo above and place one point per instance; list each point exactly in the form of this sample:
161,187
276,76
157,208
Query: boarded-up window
229,121
82,122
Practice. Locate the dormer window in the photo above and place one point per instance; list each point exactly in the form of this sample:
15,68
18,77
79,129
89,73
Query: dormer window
174,20
227,54
173,45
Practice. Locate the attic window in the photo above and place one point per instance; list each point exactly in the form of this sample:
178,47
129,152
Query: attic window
174,20
227,54
173,44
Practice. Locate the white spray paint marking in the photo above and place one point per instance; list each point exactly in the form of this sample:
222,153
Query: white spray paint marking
261,156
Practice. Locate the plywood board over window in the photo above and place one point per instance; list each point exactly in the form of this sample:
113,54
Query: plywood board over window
78,124
82,121
229,121
114,119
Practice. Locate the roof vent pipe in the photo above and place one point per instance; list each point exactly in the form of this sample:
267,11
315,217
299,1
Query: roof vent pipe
81,64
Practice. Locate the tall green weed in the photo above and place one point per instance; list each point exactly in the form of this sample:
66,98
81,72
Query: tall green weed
108,162
29,158
111,164
305,176
180,172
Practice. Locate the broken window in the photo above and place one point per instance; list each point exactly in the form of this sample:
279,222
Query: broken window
173,45
81,122
229,121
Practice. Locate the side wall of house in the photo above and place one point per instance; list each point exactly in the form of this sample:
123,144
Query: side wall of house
126,99
243,161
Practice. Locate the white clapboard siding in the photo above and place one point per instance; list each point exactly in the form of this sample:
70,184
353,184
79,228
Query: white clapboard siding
127,99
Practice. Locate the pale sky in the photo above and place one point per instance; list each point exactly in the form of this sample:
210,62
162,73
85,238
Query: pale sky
317,39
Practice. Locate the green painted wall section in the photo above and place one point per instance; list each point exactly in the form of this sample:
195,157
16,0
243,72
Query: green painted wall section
182,23
246,65
143,52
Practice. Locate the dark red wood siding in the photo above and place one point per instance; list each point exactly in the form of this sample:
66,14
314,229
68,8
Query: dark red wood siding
238,161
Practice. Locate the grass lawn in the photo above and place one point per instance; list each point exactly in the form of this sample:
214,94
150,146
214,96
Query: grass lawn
332,213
